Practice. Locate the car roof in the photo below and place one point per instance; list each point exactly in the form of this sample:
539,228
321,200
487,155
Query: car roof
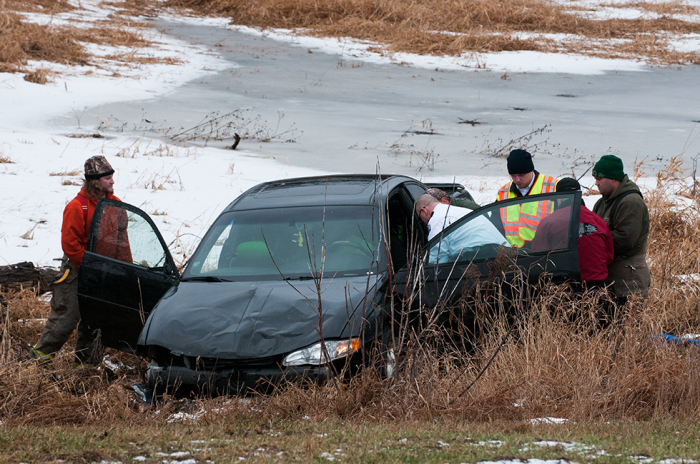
357,189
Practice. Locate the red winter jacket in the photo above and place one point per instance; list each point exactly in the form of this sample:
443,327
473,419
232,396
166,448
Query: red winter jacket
595,244
74,231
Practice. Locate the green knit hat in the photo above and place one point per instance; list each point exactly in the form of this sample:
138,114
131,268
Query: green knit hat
609,167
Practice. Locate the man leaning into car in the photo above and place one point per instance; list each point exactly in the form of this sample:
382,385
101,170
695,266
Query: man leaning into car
77,216
477,232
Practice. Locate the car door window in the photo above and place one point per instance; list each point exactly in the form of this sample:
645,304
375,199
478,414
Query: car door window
416,190
128,236
530,224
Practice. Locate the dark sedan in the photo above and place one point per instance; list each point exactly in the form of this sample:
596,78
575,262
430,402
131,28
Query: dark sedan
288,265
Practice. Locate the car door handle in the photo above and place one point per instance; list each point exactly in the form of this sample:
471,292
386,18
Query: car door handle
90,279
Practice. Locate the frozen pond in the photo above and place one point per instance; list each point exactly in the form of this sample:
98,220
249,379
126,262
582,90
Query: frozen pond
346,115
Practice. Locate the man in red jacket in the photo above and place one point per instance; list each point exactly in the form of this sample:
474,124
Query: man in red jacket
77,216
595,243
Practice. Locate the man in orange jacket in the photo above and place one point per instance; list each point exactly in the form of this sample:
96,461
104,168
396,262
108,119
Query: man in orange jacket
77,216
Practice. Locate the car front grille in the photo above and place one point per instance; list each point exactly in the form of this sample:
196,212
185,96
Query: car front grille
219,364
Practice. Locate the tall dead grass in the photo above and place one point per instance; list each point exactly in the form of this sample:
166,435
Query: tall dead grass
560,361
21,41
452,28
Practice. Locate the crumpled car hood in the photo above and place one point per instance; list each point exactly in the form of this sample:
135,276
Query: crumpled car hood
243,320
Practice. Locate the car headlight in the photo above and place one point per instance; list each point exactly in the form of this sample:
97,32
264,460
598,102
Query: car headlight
314,354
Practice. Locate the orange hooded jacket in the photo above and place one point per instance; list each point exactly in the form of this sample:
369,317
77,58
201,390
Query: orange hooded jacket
75,228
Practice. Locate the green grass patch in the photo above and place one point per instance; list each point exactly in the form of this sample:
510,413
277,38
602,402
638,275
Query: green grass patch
347,441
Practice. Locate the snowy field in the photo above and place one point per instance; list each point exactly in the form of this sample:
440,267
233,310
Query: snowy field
44,129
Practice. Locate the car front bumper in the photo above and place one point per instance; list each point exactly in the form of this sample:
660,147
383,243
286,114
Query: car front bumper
230,381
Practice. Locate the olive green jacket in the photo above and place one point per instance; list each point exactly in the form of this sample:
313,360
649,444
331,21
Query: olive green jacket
630,232
469,204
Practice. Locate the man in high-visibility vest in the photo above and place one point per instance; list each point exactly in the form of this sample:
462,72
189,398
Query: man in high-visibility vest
520,221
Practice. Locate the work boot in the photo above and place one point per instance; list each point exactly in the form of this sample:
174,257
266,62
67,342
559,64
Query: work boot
43,357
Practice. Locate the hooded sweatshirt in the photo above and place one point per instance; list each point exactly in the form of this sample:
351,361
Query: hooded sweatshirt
630,231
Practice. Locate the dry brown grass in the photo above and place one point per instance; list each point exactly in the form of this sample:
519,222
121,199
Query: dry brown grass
21,41
58,393
472,25
661,8
558,363
74,172
37,6
40,76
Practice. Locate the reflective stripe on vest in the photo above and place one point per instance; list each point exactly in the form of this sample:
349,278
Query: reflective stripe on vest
521,221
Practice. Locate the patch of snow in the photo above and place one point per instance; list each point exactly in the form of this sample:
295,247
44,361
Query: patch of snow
176,454
588,450
327,456
491,443
183,417
529,461
548,420
688,278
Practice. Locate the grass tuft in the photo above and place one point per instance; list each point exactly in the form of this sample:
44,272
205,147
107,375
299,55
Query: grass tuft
40,76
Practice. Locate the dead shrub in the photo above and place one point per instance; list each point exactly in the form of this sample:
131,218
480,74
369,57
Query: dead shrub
40,76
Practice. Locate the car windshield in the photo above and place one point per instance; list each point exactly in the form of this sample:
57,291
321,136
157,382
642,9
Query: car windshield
289,243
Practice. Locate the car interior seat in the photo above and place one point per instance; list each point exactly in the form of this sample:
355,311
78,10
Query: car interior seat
253,254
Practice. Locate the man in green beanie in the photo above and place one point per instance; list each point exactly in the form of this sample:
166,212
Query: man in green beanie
623,209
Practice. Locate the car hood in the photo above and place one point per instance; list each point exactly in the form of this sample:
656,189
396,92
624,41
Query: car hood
244,320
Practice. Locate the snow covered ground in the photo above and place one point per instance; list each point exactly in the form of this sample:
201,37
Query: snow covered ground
43,128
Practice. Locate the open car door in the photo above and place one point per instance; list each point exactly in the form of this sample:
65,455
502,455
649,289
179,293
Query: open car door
467,251
126,269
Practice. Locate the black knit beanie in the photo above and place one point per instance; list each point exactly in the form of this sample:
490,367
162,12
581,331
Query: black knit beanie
520,162
568,184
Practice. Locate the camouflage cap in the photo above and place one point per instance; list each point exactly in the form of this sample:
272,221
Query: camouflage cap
96,167
436,193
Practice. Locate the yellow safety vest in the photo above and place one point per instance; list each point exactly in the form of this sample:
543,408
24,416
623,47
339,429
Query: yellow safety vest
521,221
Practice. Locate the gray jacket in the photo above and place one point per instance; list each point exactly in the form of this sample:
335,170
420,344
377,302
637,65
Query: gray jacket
630,231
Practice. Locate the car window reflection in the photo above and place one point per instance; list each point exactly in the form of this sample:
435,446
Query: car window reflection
290,242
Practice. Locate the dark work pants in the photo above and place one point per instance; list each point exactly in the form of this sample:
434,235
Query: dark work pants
65,316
